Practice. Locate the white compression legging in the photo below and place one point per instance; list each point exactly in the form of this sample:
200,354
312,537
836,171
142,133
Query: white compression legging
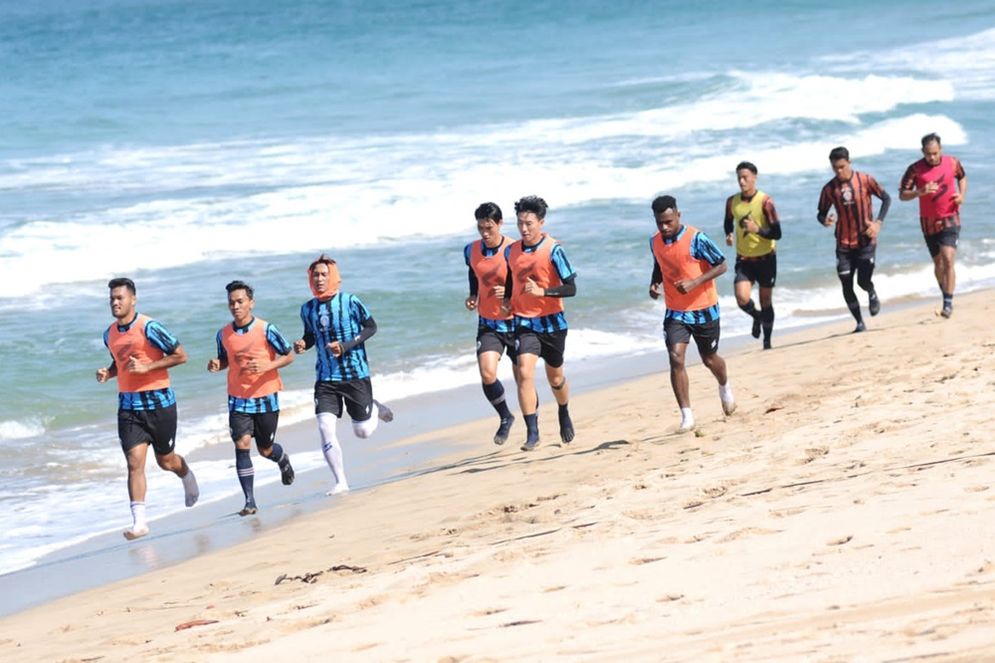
330,446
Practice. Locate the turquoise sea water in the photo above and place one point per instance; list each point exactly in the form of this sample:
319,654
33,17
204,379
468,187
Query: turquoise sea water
186,144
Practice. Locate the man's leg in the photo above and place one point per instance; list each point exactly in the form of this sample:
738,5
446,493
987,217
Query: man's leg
174,462
265,434
744,298
946,276
487,363
246,473
850,297
528,398
865,273
135,457
679,383
767,314
561,392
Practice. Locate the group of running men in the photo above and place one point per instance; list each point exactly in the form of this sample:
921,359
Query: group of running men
517,288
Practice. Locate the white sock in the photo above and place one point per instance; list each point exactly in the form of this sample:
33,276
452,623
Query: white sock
331,449
190,490
138,521
725,393
687,417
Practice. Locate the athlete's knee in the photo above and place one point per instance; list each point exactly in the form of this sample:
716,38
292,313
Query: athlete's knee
558,385
168,461
364,429
676,359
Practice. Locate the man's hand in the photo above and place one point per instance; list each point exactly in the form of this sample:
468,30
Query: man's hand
729,239
532,288
873,228
137,366
830,221
750,226
335,348
656,290
931,187
470,303
685,286
255,366
300,346
214,365
103,375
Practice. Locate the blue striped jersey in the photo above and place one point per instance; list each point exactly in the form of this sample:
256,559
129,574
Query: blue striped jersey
153,399
545,324
702,248
339,319
262,404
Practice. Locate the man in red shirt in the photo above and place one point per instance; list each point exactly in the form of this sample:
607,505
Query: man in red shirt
939,183
856,229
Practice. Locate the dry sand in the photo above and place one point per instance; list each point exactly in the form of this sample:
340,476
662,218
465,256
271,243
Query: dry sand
844,512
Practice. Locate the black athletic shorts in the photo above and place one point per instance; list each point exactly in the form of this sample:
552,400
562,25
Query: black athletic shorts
761,270
946,237
548,346
357,395
705,335
156,427
260,425
491,340
849,261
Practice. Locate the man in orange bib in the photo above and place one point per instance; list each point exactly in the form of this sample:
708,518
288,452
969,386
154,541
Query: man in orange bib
488,272
539,277
253,351
686,264
142,352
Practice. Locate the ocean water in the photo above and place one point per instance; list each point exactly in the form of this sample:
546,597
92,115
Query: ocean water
188,144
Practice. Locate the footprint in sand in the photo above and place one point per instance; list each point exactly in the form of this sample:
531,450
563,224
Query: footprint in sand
840,541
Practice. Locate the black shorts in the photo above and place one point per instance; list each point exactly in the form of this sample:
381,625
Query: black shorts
491,340
357,395
547,346
260,425
946,237
761,270
705,335
849,261
156,427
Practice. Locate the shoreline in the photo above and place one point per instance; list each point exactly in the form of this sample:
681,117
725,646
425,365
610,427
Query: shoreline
395,454
802,429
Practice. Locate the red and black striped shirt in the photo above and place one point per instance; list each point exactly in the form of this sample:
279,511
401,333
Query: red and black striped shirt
854,207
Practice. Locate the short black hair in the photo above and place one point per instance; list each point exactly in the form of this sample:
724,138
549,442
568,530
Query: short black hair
240,285
323,259
747,165
122,282
663,203
931,138
838,153
533,204
488,211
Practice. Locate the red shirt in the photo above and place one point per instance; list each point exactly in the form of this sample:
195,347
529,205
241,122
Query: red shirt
936,210
854,208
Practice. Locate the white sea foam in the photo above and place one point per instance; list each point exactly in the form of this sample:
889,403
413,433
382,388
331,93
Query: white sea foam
19,430
966,64
376,207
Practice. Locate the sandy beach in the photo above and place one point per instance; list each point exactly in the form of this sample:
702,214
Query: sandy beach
844,512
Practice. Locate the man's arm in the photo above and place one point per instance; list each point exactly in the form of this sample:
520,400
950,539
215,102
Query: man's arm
825,202
656,281
961,184
729,224
907,190
368,329
773,230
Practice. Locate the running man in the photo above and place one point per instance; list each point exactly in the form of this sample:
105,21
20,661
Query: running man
337,325
686,264
752,221
253,351
539,277
142,352
488,272
940,184
857,229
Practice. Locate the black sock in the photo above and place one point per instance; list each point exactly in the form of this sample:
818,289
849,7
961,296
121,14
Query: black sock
495,395
767,320
532,422
749,309
854,307
243,466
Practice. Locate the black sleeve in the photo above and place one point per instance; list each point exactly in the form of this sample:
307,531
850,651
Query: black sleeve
885,204
657,274
308,339
772,231
473,281
728,222
508,285
568,289
368,330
